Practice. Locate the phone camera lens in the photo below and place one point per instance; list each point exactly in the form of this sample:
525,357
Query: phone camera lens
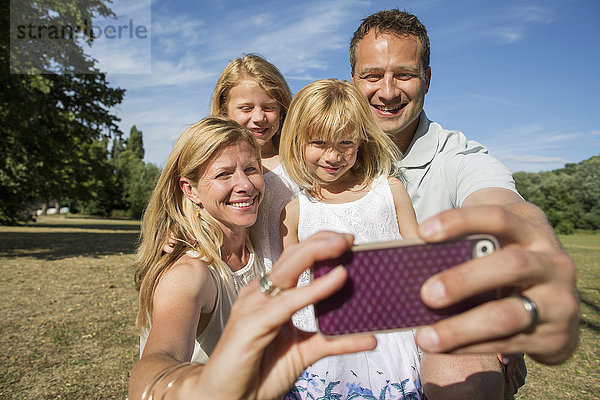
483,248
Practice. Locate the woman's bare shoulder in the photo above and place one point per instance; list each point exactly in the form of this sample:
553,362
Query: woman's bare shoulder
188,277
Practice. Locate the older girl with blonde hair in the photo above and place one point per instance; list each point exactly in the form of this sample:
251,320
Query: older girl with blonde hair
254,93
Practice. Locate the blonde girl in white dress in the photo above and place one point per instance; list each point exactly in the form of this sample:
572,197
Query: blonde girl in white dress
345,164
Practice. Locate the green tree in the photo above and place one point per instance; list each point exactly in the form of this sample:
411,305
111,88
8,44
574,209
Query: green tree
102,192
586,189
136,179
117,148
139,180
50,122
135,142
570,196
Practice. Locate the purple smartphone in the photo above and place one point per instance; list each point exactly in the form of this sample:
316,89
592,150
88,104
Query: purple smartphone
384,280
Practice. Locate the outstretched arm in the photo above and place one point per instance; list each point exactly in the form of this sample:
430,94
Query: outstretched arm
531,262
259,345
260,328
184,293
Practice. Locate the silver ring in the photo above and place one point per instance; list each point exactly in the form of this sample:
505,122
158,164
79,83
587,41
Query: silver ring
531,308
267,287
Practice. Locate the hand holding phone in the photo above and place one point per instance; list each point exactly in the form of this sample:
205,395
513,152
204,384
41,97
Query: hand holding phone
382,292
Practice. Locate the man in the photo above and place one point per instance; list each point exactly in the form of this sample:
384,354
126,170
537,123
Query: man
389,56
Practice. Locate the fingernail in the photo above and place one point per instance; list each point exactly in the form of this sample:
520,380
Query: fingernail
428,339
337,269
431,228
434,290
346,237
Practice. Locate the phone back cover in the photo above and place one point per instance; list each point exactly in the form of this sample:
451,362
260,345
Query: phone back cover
382,290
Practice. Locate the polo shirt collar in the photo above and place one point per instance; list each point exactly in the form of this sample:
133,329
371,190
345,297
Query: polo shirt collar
424,145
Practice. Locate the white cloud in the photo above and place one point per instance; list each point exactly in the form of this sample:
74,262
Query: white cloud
532,159
535,13
161,121
182,27
262,20
126,8
296,39
189,50
496,100
506,35
561,137
505,24
532,163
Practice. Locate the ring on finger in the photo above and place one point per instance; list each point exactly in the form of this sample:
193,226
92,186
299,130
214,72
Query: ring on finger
531,309
267,287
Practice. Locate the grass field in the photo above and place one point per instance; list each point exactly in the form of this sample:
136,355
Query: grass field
68,311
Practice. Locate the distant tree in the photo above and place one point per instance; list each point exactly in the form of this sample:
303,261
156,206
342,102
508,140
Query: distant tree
139,180
136,179
570,196
101,192
586,189
116,149
135,142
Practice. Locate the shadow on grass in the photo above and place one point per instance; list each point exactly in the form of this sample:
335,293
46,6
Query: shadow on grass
589,325
586,322
588,303
96,226
59,245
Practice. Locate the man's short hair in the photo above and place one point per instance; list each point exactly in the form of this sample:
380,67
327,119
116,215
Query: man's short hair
396,22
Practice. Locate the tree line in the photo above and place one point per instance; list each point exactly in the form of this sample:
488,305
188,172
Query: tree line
60,141
569,196
123,181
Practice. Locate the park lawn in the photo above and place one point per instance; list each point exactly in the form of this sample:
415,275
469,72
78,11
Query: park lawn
69,306
67,330
579,377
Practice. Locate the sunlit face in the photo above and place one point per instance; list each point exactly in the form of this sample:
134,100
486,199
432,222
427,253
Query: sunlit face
388,71
231,187
251,106
331,160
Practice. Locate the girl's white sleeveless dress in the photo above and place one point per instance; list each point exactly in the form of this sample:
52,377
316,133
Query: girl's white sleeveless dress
391,371
265,236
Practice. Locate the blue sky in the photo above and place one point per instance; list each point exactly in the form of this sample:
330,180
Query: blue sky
519,76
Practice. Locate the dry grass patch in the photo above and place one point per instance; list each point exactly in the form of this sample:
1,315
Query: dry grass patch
68,331
579,377
69,307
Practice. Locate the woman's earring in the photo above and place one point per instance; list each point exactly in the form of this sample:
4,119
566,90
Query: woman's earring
198,207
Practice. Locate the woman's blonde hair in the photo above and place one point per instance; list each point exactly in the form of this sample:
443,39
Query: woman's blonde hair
327,109
172,217
258,69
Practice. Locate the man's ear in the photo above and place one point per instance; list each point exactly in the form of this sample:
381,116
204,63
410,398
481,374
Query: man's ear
427,79
189,190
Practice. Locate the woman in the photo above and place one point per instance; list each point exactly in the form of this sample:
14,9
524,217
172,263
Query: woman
206,198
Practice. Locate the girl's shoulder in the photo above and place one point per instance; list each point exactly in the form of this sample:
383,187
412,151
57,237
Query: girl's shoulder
397,186
291,212
394,182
